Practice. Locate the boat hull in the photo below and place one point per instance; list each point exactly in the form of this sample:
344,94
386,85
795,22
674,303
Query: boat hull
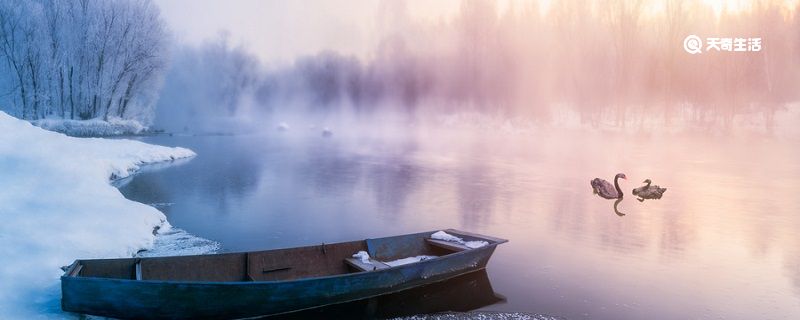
123,298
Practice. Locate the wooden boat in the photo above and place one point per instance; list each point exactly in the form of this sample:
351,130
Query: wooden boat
248,284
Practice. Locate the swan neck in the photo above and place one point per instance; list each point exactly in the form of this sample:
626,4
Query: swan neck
616,185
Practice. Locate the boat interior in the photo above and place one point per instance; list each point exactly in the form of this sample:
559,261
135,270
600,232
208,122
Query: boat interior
276,265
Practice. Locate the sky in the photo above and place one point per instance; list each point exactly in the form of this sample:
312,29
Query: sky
279,31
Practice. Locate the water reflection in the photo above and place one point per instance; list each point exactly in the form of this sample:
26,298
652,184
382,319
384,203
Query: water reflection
330,170
229,176
676,234
464,293
616,210
475,191
792,267
392,184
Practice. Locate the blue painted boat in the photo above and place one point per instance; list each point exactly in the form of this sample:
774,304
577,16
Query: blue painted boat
249,284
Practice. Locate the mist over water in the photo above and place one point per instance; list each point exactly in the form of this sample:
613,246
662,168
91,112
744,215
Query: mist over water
494,121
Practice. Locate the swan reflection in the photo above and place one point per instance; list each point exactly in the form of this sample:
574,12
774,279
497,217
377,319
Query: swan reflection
617,210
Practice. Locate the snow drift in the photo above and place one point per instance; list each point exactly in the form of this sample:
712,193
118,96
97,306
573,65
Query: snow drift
56,205
91,128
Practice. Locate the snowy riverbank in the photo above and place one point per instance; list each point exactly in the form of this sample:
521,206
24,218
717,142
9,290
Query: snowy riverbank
92,127
57,205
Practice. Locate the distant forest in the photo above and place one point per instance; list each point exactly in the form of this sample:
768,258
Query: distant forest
612,61
617,60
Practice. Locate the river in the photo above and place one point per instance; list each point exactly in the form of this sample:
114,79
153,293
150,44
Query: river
721,243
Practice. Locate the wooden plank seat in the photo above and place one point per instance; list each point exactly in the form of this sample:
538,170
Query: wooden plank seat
449,245
361,266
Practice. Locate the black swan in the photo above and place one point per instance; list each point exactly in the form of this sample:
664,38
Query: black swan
648,191
606,190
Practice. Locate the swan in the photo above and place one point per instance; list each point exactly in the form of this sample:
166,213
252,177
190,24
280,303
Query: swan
605,189
648,191
636,191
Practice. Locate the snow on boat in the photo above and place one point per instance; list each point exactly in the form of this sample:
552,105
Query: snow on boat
248,284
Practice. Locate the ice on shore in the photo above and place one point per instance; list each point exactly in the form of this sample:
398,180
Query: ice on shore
177,242
58,206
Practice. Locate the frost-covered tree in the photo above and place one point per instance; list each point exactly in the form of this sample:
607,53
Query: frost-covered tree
80,59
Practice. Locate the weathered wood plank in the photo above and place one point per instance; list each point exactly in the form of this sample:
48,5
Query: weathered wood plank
372,266
474,236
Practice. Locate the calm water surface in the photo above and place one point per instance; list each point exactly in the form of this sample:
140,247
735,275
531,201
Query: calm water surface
722,243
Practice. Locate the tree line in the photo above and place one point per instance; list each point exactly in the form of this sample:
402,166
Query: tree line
617,61
81,59
613,60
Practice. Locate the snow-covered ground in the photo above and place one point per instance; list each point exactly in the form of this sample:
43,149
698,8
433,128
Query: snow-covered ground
56,205
91,128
